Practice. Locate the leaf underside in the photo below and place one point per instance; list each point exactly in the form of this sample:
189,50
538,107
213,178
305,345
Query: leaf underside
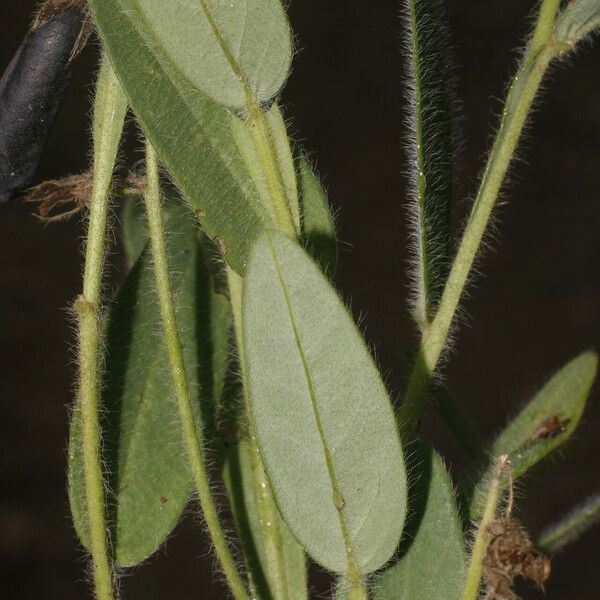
225,49
323,420
192,134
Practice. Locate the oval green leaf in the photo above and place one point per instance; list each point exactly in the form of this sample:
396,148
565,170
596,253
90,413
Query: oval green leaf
149,479
545,423
227,49
432,558
192,134
323,420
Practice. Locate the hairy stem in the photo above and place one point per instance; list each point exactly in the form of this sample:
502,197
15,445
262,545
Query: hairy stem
191,434
571,527
518,103
262,139
272,538
109,114
482,538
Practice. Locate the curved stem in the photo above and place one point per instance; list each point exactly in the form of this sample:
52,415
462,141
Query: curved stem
190,430
518,103
482,538
109,115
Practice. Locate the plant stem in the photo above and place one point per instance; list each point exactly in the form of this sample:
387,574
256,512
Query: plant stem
276,571
262,139
109,114
191,433
571,527
518,103
482,539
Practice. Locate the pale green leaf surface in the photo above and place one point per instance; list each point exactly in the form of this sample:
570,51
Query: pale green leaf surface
227,49
241,480
562,398
318,225
192,134
149,478
324,423
432,558
284,158
577,20
431,157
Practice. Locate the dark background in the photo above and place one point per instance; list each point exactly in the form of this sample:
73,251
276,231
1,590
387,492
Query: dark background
536,307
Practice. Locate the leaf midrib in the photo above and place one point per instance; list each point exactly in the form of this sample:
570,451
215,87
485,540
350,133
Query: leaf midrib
309,383
215,147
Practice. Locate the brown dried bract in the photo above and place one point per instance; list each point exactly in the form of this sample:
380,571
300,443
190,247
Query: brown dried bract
510,554
550,427
72,191
48,8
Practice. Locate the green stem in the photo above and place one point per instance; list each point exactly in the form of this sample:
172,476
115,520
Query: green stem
570,528
262,138
483,536
276,570
518,103
191,433
109,114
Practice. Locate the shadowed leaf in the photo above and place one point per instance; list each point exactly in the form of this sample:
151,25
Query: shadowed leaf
432,559
143,451
545,423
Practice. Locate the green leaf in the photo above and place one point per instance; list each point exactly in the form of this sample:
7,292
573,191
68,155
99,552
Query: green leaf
323,420
144,454
545,423
569,529
432,560
226,49
247,148
134,231
192,134
577,20
243,475
318,225
431,156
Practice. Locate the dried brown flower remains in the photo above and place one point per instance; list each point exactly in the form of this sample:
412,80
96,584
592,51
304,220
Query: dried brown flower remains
50,195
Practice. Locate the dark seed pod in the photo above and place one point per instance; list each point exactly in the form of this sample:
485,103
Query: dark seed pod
31,91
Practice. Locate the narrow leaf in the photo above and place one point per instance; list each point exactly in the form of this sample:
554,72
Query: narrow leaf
227,49
324,423
577,20
545,423
192,134
144,455
432,560
569,529
318,225
431,155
